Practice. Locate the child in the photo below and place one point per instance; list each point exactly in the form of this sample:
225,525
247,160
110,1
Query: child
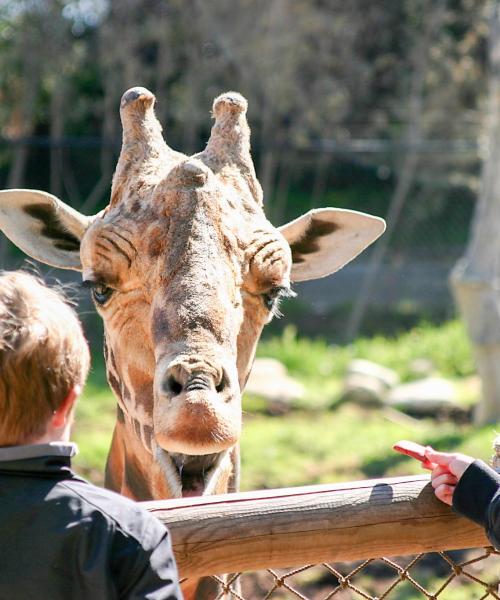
470,486
60,536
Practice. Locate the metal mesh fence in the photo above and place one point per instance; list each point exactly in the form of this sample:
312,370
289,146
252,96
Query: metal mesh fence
456,575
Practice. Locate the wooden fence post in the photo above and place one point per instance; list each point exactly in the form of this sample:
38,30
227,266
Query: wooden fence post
297,526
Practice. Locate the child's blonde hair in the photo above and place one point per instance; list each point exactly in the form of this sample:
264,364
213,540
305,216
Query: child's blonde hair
43,355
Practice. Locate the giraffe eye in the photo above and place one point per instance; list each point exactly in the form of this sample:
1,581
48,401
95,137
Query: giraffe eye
274,295
269,300
101,293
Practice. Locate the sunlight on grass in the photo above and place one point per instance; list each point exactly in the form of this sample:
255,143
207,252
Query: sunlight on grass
349,444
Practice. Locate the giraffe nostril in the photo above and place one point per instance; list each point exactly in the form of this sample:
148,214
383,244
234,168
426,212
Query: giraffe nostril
172,386
185,377
199,382
221,386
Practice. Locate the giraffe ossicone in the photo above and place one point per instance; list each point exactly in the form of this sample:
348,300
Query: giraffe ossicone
185,270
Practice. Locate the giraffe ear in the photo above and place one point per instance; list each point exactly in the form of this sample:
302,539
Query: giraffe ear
324,240
43,227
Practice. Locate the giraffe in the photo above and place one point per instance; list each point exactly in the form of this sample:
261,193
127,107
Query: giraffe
185,270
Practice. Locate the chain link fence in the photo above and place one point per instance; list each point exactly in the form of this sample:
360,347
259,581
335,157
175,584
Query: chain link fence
457,575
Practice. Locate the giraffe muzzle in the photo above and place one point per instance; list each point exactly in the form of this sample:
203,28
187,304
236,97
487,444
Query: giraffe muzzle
197,406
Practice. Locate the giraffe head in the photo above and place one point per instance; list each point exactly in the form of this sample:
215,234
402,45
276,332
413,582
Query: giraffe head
185,270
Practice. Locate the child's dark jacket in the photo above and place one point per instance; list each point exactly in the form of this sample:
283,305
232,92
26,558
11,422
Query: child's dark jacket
477,496
61,537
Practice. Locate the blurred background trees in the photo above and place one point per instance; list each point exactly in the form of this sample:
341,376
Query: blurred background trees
375,106
324,78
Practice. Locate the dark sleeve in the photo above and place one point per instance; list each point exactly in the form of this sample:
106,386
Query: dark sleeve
148,570
477,496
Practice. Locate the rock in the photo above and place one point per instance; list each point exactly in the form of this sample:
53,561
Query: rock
421,367
269,379
431,396
368,382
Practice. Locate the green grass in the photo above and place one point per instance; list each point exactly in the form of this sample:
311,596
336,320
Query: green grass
95,417
350,443
447,347
325,441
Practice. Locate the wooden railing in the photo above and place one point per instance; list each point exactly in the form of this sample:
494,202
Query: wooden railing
318,524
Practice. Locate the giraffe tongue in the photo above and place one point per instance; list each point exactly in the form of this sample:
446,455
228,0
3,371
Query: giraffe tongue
192,471
192,485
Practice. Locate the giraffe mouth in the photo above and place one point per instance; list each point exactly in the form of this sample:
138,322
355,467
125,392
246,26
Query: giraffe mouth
193,475
195,472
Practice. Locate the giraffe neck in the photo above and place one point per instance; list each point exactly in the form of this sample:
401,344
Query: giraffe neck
142,431
131,470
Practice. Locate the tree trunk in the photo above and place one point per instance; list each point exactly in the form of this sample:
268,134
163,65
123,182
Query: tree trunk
108,133
475,277
57,119
15,177
405,181
282,188
406,171
320,179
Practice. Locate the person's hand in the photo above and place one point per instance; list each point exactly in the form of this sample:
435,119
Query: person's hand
446,472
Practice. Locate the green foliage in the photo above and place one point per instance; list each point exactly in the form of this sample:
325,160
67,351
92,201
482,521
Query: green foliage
302,356
447,347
